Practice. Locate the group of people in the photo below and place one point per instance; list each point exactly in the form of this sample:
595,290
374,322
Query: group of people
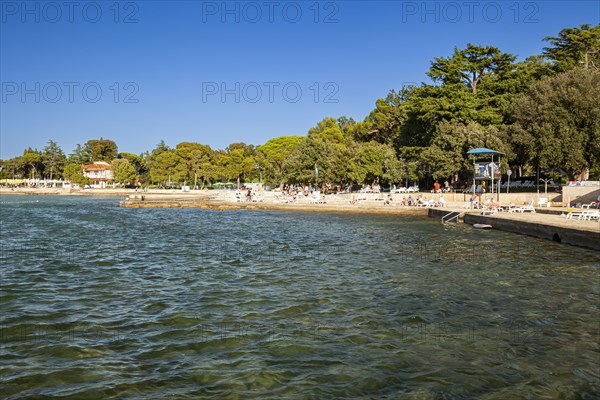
248,195
368,189
423,201
408,201
297,192
438,189
490,203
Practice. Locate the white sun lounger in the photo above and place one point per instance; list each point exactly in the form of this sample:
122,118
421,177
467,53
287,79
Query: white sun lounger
529,207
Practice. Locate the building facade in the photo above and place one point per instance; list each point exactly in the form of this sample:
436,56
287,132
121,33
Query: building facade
99,174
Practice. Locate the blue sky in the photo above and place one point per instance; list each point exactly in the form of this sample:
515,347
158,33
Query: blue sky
224,72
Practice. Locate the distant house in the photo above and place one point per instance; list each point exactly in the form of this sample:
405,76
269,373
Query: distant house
99,173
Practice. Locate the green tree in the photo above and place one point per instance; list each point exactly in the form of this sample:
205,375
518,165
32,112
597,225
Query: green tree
166,168
557,122
160,148
80,155
140,163
275,155
346,125
134,159
384,122
446,157
54,159
74,174
374,162
31,162
239,163
469,66
216,170
124,171
13,168
412,163
101,149
326,148
195,157
574,47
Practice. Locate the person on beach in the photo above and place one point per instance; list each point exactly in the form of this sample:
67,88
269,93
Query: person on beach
436,187
473,201
494,205
389,200
442,201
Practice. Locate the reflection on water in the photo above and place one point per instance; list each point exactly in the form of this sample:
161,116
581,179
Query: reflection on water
102,302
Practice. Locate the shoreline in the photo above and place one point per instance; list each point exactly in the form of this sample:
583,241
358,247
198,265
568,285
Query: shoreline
66,192
545,223
378,209
541,224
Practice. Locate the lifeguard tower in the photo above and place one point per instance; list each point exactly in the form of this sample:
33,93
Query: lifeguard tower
486,170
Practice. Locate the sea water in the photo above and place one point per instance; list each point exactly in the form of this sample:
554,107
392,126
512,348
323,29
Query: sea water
102,302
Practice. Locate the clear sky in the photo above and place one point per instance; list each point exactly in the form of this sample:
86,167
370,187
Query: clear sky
223,72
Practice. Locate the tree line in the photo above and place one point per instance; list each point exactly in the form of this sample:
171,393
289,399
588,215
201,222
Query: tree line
542,113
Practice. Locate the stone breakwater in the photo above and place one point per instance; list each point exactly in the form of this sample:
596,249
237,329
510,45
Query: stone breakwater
339,206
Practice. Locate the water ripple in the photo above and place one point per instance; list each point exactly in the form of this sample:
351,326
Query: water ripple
102,302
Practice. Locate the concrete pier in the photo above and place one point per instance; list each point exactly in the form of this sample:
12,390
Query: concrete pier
542,225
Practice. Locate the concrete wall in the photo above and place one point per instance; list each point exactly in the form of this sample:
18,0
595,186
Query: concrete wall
580,194
556,233
559,234
505,199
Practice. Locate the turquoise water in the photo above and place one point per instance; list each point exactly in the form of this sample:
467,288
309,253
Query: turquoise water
102,302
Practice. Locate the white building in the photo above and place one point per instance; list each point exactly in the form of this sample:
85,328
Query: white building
99,173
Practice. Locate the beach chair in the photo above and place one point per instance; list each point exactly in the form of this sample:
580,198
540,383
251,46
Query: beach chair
427,203
591,215
278,196
543,202
584,215
258,198
581,215
489,211
529,207
316,198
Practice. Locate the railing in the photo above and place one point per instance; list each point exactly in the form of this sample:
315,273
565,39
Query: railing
451,217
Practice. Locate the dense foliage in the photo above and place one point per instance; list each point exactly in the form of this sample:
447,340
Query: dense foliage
542,113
